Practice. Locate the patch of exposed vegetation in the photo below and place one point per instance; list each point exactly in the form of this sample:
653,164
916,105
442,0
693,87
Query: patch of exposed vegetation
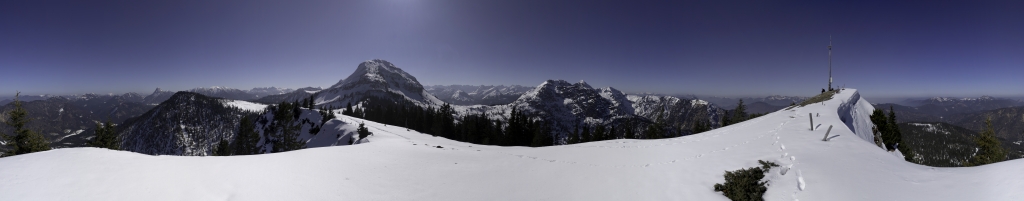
819,98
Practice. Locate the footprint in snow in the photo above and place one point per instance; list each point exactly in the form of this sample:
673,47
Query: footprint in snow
782,146
800,181
792,158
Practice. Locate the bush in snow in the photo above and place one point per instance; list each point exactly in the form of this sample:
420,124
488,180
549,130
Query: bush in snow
746,184
363,131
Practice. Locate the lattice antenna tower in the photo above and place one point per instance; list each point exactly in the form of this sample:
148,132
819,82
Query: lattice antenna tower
830,62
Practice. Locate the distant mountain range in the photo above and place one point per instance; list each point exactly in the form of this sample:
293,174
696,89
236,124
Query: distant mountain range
294,95
564,105
775,100
940,144
1007,114
190,123
68,121
979,103
478,95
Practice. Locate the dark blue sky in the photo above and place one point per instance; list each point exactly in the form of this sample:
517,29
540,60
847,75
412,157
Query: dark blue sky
884,48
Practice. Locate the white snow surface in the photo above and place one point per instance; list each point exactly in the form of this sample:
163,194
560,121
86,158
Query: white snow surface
397,164
246,105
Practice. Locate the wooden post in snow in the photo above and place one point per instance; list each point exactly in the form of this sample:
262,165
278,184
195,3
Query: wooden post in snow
810,115
826,133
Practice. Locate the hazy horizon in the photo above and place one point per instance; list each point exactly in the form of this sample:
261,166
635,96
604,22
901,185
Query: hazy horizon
885,49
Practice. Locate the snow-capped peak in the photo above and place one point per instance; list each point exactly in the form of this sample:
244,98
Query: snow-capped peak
584,84
379,77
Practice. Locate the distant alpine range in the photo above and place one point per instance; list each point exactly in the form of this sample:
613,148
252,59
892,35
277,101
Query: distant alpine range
191,122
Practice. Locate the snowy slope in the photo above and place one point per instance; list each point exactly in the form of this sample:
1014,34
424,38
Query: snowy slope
245,105
397,164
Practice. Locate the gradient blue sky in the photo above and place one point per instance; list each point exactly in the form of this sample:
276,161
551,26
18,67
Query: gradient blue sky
720,48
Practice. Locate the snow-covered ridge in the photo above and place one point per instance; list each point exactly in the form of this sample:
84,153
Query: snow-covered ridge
398,164
855,112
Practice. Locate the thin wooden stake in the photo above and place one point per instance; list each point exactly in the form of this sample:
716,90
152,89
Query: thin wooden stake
812,120
826,133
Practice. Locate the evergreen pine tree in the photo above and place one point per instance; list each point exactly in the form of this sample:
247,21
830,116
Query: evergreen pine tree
881,121
989,148
599,133
575,136
348,110
613,133
24,140
700,127
740,113
105,136
246,141
541,137
897,136
286,128
223,149
655,130
586,136
726,118
628,131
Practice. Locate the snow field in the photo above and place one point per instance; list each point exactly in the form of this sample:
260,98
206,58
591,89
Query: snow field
398,164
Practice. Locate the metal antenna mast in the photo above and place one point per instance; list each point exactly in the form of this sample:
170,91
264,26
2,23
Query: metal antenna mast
829,62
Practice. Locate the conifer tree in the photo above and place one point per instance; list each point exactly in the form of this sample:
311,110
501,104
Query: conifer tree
727,118
897,136
599,133
740,113
655,130
105,136
628,130
24,140
286,128
541,137
989,148
586,135
246,141
223,149
700,127
881,121
574,136
612,132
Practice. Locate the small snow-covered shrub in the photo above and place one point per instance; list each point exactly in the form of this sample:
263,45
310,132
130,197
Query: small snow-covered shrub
746,184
